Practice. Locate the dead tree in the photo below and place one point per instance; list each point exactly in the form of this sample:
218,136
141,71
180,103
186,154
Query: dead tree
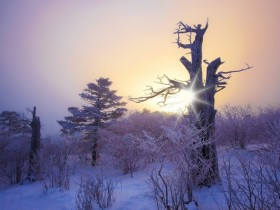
203,107
34,166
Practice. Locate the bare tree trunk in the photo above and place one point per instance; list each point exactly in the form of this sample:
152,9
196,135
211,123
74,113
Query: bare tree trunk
34,166
203,108
94,153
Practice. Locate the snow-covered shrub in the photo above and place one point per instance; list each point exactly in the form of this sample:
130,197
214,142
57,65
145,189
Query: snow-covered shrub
182,147
14,159
251,185
237,126
95,190
270,117
271,172
169,189
121,152
125,143
128,154
56,165
273,129
3,143
78,147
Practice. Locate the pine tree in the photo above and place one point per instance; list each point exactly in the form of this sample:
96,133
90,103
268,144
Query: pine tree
13,123
103,106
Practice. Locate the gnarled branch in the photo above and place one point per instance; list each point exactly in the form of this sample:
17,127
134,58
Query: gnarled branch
220,83
184,28
235,71
173,87
188,66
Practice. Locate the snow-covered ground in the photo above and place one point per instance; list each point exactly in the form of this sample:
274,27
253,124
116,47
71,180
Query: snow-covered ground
131,193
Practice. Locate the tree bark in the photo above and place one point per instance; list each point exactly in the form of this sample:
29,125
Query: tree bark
203,107
34,166
94,154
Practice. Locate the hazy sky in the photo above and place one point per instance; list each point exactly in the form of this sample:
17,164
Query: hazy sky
50,50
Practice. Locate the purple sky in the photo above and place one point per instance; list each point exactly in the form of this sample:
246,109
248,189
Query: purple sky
51,49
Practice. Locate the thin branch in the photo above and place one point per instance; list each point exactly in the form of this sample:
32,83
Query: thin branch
153,94
174,86
220,83
206,62
184,46
184,28
161,80
223,77
235,71
206,26
220,88
24,119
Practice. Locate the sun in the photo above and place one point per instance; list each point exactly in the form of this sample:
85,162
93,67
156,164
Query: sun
180,102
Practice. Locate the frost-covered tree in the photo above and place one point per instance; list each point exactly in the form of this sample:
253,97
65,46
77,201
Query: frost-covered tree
14,126
14,140
203,107
12,123
103,106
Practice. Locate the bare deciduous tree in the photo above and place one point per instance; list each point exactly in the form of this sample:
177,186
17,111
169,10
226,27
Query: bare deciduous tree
204,105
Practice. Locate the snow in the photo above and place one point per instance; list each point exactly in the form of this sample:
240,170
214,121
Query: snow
130,194
21,197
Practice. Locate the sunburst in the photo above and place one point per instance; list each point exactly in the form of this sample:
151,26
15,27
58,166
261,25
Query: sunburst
179,102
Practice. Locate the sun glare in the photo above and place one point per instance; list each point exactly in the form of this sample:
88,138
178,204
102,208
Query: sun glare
179,102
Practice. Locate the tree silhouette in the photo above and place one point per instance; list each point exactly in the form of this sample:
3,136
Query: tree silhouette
203,107
34,166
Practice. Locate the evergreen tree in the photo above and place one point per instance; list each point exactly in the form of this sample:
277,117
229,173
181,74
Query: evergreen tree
103,106
13,124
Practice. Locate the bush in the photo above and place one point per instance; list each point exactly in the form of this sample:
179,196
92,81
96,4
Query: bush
182,146
14,159
127,144
169,190
56,165
122,152
97,190
255,186
273,130
237,126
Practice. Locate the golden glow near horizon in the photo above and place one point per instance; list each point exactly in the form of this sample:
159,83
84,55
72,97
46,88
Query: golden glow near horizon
50,50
